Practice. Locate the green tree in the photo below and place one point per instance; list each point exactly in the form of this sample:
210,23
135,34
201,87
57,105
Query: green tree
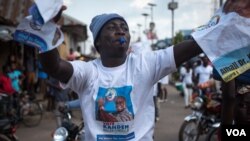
178,38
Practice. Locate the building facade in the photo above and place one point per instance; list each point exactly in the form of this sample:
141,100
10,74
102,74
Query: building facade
13,11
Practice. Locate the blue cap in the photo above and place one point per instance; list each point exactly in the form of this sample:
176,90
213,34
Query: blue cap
100,20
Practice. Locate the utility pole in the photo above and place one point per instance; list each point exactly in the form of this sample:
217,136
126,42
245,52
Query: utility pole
139,31
172,6
151,9
146,17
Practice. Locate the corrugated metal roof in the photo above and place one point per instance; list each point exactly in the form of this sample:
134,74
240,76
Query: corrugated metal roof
16,10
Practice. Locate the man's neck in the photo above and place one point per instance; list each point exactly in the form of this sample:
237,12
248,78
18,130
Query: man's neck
113,62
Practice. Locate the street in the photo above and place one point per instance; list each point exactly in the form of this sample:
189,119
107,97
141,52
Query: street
172,114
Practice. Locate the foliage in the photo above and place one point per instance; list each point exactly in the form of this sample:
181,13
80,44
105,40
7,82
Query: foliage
178,38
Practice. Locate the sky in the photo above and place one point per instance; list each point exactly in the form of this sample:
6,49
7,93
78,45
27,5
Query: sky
189,14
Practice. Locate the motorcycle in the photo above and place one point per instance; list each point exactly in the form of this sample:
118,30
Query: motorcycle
214,133
8,129
8,120
205,112
68,131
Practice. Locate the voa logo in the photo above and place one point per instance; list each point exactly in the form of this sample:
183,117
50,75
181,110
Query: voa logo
236,132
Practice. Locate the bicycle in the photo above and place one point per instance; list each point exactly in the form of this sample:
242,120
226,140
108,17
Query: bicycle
27,110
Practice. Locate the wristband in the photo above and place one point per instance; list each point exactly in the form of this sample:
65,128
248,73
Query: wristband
45,37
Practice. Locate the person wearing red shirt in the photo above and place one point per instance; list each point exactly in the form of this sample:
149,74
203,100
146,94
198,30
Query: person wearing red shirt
5,82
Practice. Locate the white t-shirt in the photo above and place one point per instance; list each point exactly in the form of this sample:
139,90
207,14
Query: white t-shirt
197,70
143,46
102,92
204,73
187,77
183,71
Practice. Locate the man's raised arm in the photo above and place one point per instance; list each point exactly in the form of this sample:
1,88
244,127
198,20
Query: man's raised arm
52,63
40,30
55,66
186,50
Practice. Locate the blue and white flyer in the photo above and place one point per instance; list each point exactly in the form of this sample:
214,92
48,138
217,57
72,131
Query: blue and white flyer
226,42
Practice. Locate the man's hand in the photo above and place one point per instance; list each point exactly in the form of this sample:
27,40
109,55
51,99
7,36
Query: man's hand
62,107
59,15
242,7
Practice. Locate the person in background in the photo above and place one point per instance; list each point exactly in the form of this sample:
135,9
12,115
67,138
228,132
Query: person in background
5,81
151,34
6,89
55,94
204,74
187,81
16,77
41,85
163,84
15,59
30,70
196,67
182,70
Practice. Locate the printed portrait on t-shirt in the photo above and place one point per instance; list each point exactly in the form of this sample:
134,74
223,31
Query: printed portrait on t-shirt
114,104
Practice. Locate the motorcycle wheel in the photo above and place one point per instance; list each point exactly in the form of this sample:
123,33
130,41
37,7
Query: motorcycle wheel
212,135
80,136
4,138
189,131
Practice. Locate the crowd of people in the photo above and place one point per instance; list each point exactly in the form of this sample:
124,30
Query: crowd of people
193,75
15,76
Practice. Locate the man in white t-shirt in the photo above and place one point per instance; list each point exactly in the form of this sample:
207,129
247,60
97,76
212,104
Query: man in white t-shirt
114,74
205,71
204,74
117,74
197,67
187,76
